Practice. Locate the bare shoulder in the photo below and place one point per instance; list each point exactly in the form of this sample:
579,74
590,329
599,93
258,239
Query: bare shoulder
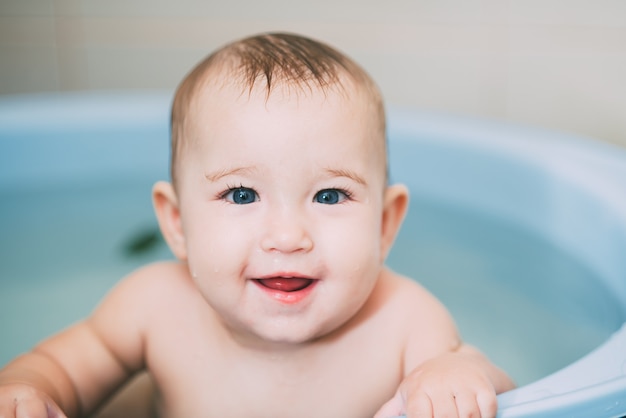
150,281
430,329
128,311
410,297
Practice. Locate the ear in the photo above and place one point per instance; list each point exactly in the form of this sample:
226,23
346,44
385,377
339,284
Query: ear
167,211
395,205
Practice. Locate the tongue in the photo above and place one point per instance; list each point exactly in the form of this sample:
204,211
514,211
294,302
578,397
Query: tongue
286,284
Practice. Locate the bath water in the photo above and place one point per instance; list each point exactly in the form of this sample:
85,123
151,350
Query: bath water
530,306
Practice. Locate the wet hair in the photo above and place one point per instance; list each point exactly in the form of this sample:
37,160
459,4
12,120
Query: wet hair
269,60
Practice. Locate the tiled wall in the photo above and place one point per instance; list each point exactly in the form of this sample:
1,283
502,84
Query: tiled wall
560,64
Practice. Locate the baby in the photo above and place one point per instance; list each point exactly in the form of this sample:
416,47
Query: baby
280,215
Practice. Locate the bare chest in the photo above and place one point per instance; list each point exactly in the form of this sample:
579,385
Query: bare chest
205,380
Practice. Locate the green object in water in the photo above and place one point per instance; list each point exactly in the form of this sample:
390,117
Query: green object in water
143,242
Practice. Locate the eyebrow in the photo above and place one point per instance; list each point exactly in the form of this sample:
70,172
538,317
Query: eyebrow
346,173
218,174
249,170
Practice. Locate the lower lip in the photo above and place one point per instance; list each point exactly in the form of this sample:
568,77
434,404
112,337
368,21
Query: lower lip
287,298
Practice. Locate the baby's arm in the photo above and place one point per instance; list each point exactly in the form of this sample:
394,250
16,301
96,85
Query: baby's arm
444,376
60,374
75,370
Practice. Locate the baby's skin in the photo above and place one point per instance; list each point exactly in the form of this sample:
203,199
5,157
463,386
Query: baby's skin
280,304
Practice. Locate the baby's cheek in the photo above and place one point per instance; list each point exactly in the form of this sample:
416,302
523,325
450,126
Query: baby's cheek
357,252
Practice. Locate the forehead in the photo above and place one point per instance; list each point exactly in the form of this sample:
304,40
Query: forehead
221,94
289,109
223,107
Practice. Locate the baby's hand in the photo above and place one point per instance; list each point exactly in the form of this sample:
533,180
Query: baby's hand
23,401
450,385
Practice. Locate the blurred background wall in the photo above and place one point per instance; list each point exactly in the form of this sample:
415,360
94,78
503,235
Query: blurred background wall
559,64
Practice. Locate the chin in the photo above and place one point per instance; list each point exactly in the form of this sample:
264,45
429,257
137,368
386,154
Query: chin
290,336
290,332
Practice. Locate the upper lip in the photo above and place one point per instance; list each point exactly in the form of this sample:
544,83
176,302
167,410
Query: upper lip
284,275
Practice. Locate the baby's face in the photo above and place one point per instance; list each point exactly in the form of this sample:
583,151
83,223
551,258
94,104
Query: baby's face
281,202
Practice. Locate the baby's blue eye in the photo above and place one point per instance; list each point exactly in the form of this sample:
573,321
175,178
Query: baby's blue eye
329,196
241,195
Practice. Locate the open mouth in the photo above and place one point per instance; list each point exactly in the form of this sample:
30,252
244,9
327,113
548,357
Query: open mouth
286,284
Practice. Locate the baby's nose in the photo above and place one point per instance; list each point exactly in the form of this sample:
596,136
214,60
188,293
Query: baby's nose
287,232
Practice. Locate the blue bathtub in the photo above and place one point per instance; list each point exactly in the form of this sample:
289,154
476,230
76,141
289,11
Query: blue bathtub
521,232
